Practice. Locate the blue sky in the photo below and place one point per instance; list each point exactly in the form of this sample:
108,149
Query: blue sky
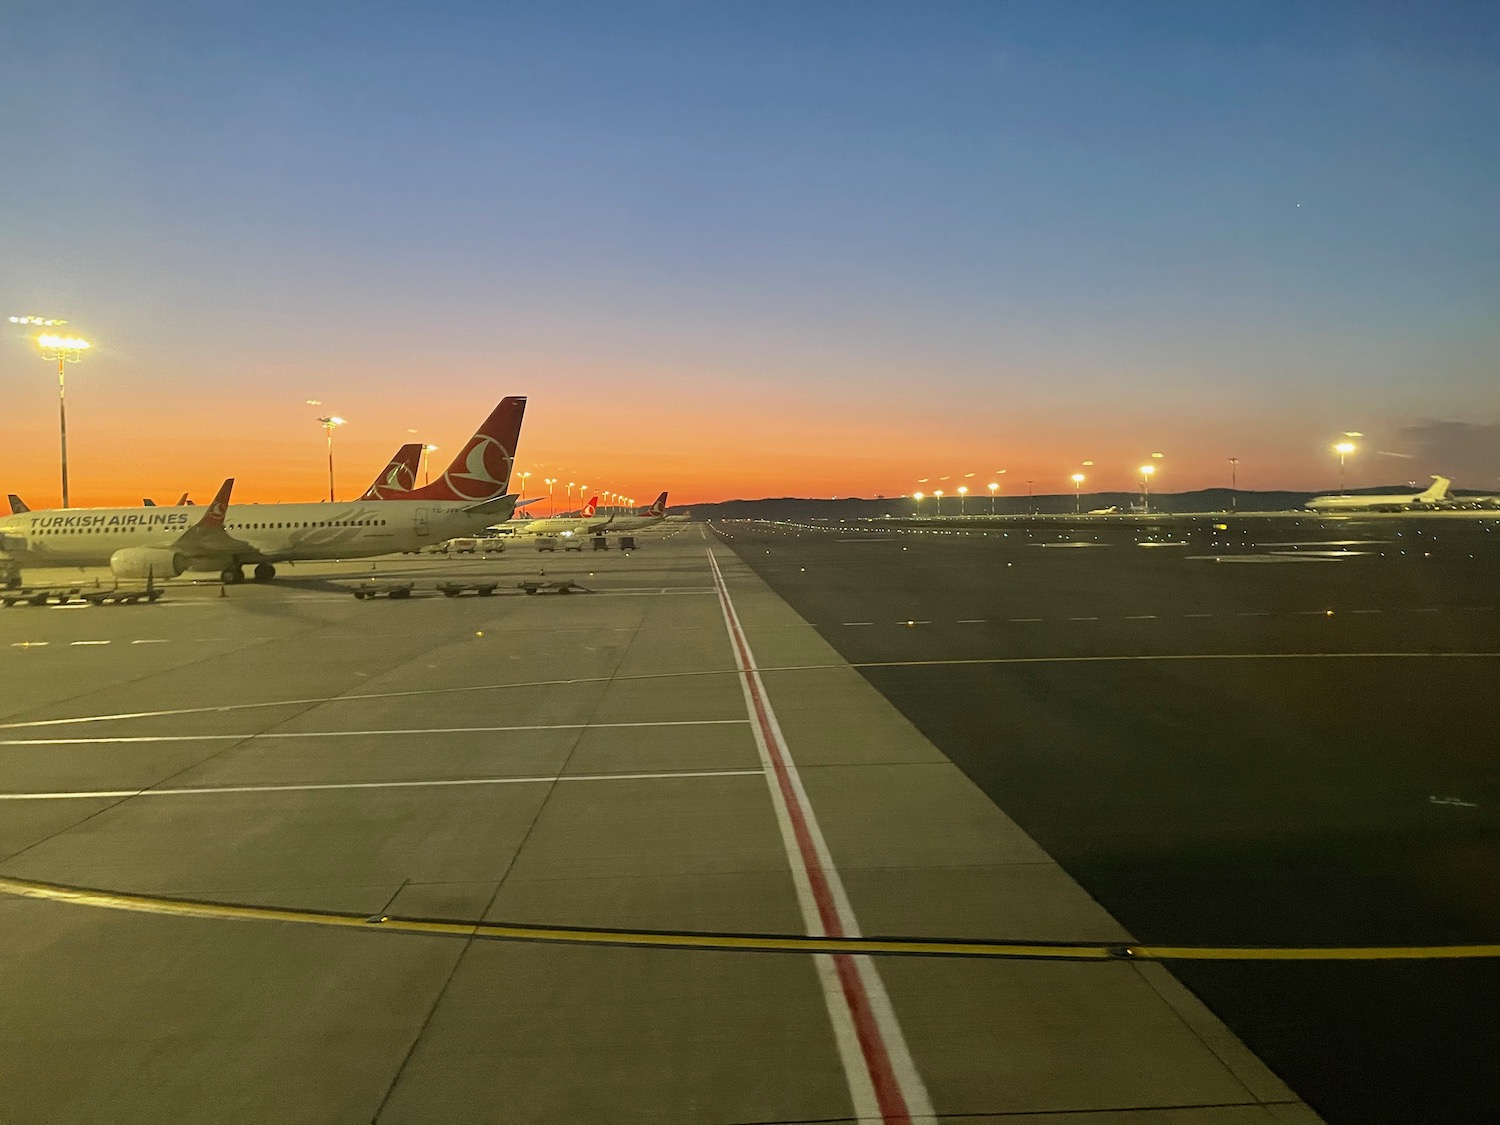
819,247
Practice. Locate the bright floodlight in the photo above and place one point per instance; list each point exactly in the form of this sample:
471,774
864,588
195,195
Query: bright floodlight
39,321
1076,478
64,343
919,496
1147,470
963,490
1345,447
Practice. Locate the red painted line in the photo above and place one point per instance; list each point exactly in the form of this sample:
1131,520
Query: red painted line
888,1092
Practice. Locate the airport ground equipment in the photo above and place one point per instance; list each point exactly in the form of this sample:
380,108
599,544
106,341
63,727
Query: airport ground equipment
601,543
39,595
546,543
627,542
386,589
127,596
566,586
454,589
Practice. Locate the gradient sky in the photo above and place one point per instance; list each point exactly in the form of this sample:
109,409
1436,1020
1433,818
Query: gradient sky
754,248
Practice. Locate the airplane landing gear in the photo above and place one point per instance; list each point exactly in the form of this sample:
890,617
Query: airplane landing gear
264,572
10,577
231,576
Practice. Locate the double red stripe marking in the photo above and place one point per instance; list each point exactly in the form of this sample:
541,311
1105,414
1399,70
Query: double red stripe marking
888,1093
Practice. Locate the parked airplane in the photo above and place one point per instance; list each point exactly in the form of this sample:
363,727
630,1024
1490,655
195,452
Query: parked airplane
575,524
1384,501
164,542
645,517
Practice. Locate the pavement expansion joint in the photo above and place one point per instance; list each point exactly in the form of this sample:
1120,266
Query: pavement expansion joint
872,946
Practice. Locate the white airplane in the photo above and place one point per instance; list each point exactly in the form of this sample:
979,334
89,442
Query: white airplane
649,516
156,543
1384,501
577,524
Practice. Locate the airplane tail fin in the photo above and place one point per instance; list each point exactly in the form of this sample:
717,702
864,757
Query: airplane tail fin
590,508
481,471
660,507
398,477
1438,490
182,501
213,518
17,505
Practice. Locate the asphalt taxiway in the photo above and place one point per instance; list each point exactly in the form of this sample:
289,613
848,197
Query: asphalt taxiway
273,854
1232,737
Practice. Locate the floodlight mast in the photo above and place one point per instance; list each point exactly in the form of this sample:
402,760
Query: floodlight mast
66,350
330,422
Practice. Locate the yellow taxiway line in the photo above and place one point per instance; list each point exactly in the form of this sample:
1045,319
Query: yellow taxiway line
742,943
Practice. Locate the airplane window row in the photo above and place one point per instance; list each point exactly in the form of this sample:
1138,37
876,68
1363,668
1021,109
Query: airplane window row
232,526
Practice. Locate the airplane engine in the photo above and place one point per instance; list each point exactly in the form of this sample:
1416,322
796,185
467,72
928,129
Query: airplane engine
147,562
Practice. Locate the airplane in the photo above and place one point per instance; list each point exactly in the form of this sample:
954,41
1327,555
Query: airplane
1384,501
648,516
158,543
181,500
578,524
400,476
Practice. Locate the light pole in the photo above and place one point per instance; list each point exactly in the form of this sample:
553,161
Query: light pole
1030,497
570,496
583,490
427,463
1234,483
917,498
66,350
551,508
963,493
1146,471
330,422
992,486
522,494
1077,479
1343,449
937,499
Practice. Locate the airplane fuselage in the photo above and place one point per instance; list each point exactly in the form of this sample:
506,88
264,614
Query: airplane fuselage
260,533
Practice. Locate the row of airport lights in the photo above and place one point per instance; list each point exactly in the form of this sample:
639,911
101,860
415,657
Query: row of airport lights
1147,471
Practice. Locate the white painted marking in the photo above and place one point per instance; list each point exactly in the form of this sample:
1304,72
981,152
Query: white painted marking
1023,620
883,1080
77,643
1083,619
71,605
253,735
972,621
1141,617
853,624
30,644
151,641
209,790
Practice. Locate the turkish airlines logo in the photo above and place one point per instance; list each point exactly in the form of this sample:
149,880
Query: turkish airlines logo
216,512
486,469
397,477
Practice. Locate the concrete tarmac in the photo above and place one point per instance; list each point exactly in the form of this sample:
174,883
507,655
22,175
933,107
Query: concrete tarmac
625,758
1270,742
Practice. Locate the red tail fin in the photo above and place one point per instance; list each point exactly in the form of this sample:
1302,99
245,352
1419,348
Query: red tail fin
590,508
397,478
213,519
481,471
660,507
